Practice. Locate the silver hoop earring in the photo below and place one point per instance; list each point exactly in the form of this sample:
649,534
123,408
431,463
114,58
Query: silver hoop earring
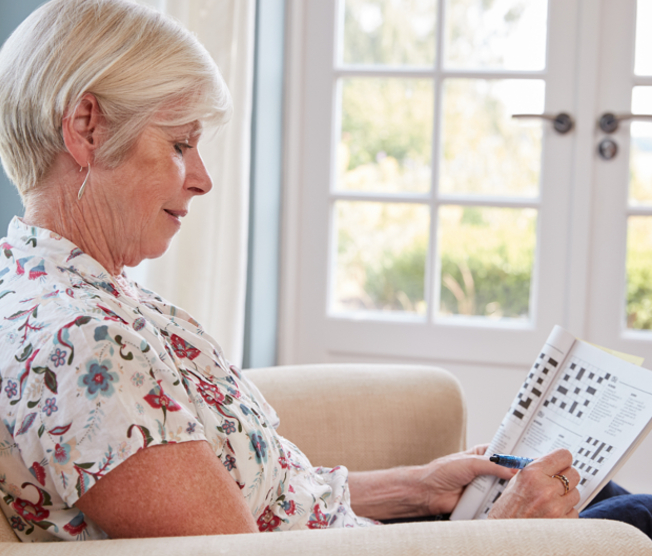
81,189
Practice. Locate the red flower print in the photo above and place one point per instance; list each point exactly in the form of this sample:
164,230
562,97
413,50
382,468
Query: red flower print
319,520
38,472
31,511
76,525
268,521
17,523
210,393
183,348
37,271
158,399
110,315
289,506
282,461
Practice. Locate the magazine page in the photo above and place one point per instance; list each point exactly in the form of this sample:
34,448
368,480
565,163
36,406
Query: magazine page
480,495
598,407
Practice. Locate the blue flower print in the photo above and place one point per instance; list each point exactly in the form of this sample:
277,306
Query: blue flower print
259,446
245,409
228,427
17,523
229,462
98,379
11,389
191,427
58,357
50,406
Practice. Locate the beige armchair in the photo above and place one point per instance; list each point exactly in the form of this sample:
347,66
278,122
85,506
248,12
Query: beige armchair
371,417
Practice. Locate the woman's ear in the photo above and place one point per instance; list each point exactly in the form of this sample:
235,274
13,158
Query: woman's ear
81,130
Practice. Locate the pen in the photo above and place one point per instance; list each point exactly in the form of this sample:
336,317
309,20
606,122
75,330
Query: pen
514,462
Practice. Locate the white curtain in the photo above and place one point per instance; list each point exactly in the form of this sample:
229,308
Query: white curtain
205,269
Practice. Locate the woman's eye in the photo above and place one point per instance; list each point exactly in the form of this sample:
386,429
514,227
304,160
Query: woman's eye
181,147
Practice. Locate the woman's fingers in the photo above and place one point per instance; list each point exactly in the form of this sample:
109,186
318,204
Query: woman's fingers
536,492
554,462
571,475
478,449
573,514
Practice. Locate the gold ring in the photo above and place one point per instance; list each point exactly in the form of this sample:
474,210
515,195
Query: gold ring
564,481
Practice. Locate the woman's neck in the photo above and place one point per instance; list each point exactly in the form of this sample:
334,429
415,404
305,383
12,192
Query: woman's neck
55,207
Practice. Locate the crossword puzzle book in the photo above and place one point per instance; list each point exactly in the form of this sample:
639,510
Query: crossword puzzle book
575,396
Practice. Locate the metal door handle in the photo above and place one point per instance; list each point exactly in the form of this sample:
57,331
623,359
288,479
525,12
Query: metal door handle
562,122
609,121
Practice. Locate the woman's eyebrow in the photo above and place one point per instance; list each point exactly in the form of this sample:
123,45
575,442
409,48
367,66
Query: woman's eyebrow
193,128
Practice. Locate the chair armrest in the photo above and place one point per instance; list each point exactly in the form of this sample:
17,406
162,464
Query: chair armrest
366,416
519,537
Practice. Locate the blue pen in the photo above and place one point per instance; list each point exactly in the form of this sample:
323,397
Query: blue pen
513,462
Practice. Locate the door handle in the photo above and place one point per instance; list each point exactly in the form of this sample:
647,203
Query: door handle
562,122
609,121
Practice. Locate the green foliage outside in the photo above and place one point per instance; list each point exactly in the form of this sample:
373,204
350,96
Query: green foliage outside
486,259
639,273
486,256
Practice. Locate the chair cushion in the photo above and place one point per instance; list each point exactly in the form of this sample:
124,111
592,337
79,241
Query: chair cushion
366,416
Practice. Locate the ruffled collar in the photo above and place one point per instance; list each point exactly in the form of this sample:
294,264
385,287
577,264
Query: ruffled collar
50,246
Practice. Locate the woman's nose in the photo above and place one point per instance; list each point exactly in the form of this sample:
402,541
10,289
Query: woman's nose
198,180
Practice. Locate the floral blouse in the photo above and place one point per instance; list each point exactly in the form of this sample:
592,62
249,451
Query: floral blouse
94,368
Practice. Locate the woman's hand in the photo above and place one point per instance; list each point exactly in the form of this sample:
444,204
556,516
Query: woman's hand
422,490
534,492
444,479
436,488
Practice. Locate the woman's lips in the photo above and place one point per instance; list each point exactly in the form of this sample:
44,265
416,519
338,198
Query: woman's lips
177,215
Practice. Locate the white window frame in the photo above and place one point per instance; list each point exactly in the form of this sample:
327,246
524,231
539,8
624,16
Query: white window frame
307,333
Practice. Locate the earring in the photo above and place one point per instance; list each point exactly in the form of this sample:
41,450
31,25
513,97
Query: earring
81,189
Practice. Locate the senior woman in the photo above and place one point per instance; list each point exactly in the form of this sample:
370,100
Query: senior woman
120,416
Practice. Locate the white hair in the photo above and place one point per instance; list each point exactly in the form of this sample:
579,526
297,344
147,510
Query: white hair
142,67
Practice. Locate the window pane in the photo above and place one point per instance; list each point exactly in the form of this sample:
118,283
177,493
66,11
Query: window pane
389,32
486,259
381,257
639,272
643,56
496,34
386,135
484,150
640,152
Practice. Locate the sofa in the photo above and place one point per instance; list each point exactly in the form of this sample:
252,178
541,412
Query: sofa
372,417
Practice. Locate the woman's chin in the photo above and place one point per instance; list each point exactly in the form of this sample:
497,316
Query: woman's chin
153,252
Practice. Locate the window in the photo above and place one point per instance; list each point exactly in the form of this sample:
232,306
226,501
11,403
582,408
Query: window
432,219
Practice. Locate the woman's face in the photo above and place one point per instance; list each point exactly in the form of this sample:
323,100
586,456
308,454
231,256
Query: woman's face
153,189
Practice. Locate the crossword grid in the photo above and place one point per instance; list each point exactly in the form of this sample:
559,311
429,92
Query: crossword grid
532,388
497,491
574,393
590,457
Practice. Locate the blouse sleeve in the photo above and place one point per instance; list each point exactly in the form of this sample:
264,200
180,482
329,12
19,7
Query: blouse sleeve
94,396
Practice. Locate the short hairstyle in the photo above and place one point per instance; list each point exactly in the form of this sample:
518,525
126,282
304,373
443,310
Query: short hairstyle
143,68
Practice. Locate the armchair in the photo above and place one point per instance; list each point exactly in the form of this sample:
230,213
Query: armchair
372,417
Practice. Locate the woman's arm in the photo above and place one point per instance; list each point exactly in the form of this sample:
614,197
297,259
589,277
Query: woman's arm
436,487
168,490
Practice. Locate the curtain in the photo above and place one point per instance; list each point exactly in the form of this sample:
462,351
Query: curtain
205,269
